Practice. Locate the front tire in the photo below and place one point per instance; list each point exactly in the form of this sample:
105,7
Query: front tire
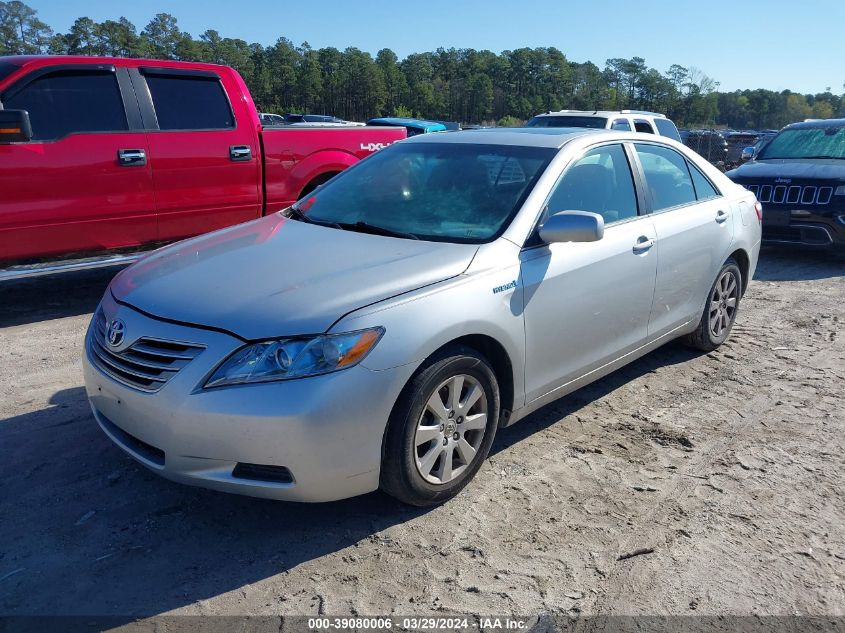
720,309
441,429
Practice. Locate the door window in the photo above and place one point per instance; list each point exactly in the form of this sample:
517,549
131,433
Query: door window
65,103
704,190
622,125
600,182
190,102
643,126
666,175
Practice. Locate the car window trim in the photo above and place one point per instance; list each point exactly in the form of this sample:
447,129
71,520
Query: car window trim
127,99
151,120
529,244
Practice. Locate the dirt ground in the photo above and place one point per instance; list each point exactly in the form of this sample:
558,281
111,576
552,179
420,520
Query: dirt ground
728,465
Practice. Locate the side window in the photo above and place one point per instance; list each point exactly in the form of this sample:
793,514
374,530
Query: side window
190,103
621,124
666,175
600,182
65,103
665,127
643,126
704,190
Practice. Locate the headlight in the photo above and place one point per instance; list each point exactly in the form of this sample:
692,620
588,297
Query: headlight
840,190
294,358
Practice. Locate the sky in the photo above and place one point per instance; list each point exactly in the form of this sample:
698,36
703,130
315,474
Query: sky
774,44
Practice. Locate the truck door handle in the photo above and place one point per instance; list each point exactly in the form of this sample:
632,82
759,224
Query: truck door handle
240,152
131,157
644,243
721,216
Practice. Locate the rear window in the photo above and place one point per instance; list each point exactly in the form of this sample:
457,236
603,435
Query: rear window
190,103
597,122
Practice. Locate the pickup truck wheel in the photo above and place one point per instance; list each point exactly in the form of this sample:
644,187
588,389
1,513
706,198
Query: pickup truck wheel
720,309
441,429
319,180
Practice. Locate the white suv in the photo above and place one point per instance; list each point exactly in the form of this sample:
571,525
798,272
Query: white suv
621,120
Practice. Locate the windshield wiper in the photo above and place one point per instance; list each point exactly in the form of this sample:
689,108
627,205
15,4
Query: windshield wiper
363,227
297,214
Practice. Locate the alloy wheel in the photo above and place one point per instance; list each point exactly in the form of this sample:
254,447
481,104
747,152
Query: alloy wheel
450,429
723,302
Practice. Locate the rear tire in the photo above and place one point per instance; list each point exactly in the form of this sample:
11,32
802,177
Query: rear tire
441,428
720,309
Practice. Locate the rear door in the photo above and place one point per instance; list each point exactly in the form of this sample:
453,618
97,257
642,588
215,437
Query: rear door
694,235
83,183
203,149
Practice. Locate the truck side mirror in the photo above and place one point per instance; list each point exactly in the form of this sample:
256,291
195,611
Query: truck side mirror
15,126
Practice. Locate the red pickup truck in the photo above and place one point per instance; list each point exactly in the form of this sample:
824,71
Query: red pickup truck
101,153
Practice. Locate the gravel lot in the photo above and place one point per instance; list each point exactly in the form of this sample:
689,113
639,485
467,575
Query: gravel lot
728,465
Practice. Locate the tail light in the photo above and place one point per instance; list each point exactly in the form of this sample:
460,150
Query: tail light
758,208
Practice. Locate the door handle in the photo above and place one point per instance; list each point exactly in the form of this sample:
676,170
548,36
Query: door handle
721,216
131,157
240,152
644,243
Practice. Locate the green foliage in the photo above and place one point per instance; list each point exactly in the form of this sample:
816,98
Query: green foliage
464,84
509,121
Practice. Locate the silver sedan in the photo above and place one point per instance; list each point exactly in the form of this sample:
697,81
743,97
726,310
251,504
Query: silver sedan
379,332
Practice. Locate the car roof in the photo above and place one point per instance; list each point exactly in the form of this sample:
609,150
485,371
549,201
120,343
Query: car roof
604,113
518,136
820,123
407,122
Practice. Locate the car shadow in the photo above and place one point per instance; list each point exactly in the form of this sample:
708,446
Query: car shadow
24,301
672,353
784,263
88,531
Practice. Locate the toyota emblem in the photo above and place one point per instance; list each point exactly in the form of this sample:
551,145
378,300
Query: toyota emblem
115,332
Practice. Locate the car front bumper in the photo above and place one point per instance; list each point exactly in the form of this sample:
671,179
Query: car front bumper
310,439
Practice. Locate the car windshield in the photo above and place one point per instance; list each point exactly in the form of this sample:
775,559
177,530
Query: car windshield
450,192
597,122
815,142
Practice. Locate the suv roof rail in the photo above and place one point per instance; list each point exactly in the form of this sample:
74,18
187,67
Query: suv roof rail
657,114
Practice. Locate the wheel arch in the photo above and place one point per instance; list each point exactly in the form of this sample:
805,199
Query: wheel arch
744,262
316,182
500,362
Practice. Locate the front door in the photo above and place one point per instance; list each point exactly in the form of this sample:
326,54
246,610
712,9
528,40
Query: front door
587,304
83,183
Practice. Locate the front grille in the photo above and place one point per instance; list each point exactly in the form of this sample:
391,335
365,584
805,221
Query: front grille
781,194
147,364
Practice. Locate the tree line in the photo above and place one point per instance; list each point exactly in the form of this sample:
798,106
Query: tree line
466,85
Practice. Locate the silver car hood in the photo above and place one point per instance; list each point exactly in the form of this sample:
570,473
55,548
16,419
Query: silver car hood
280,277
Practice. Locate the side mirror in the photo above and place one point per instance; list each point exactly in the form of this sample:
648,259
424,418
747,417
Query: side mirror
572,226
747,154
15,126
